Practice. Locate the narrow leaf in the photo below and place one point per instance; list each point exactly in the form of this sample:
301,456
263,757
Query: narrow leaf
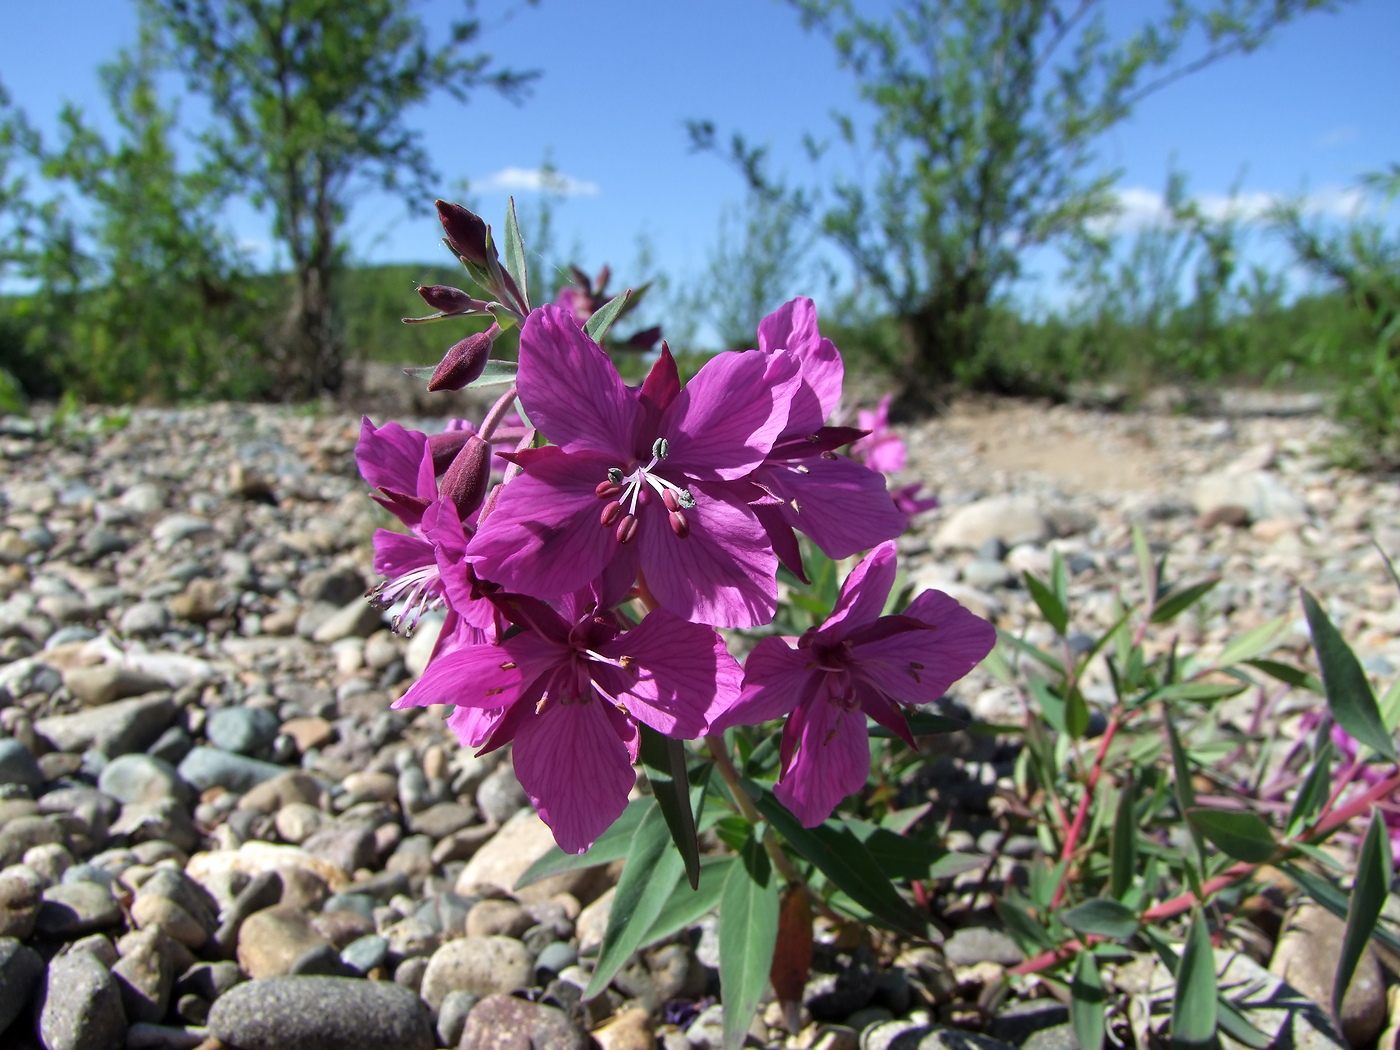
923,723
1056,615
1194,1006
597,326
1242,835
1173,604
1349,695
1123,845
665,762
1025,928
1368,894
1287,674
1253,643
1314,790
748,933
648,875
684,907
611,845
1101,916
515,256
1334,899
1086,1004
1239,1027
1147,568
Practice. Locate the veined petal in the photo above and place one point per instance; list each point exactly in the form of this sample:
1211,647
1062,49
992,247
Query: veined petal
396,553
832,761
389,457
543,538
864,593
682,674
793,326
725,420
723,573
776,678
571,390
917,667
472,676
840,504
575,769
473,725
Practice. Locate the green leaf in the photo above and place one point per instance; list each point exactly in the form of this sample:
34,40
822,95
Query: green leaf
1086,1004
1102,916
611,845
648,874
748,933
1039,655
515,256
665,762
597,326
1349,695
685,906
901,820
495,373
843,859
1373,871
1123,845
1390,706
1239,1027
1200,692
1289,675
1174,603
903,858
1241,834
922,723
1069,716
1316,787
1194,1006
1185,795
1334,899
1023,926
1056,615
1147,567
1254,643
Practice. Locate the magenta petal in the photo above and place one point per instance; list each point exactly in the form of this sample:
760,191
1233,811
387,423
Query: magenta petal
576,771
865,591
793,326
472,676
724,422
571,390
473,725
684,675
781,536
396,553
833,761
389,456
722,574
917,667
543,538
840,504
776,678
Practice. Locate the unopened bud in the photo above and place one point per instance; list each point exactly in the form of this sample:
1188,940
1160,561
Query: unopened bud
463,364
445,299
445,447
466,232
466,479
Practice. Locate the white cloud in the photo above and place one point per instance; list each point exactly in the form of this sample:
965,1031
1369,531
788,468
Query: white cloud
1338,136
535,180
1139,207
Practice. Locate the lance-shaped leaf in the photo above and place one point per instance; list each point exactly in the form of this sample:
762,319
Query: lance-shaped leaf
1086,1002
1373,871
1194,1005
1242,835
1253,643
686,906
1317,785
515,257
1349,695
664,758
748,932
648,875
597,326
1170,606
611,845
1054,611
1102,916
1123,844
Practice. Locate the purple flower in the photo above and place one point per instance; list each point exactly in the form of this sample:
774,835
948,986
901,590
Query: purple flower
881,449
648,480
909,500
857,664
569,690
840,504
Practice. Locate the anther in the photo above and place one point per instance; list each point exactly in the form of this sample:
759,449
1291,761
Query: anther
607,490
626,528
669,498
509,665
687,501
610,514
615,475
680,524
660,448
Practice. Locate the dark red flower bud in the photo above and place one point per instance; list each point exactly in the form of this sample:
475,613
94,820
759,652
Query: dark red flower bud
466,232
445,447
466,479
445,298
463,363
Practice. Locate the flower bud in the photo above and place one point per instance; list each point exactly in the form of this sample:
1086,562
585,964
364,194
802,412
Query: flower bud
466,479
462,364
466,232
445,299
445,447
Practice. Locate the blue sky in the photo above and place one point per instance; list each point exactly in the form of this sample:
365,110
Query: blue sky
1310,111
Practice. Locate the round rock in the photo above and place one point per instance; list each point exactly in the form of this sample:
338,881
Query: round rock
321,1013
80,1006
480,965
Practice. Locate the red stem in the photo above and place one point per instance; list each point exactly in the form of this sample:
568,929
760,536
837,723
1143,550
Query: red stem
1082,814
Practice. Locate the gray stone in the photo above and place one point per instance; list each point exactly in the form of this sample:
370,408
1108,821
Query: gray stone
556,957
1021,1020
338,586
909,1035
242,730
80,1006
500,796
443,819
21,894
503,1022
18,766
365,953
145,617
1261,493
28,675
146,975
171,746
105,683
139,778
1307,955
480,965
206,767
840,982
356,619
984,574
452,1016
21,969
349,848
321,1013
72,909
114,729
23,833
974,944
173,528
1010,519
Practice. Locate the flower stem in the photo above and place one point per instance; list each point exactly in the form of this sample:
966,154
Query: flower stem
497,413
714,742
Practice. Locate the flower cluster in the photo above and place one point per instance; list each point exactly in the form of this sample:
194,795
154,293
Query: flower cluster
585,559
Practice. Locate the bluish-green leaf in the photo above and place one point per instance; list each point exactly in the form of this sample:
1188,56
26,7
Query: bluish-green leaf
1123,843
611,845
748,933
515,256
1242,835
665,761
1068,715
686,906
1102,916
1194,1005
923,723
651,870
494,373
597,326
1253,643
1373,871
1173,604
1316,788
1349,695
1336,900
1286,673
1054,611
1024,927
1087,1008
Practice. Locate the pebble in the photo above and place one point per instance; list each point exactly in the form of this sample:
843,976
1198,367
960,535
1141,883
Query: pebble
72,909
19,767
502,1022
139,778
80,1006
271,940
242,730
480,965
207,767
1307,955
21,969
114,729
100,685
321,1013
